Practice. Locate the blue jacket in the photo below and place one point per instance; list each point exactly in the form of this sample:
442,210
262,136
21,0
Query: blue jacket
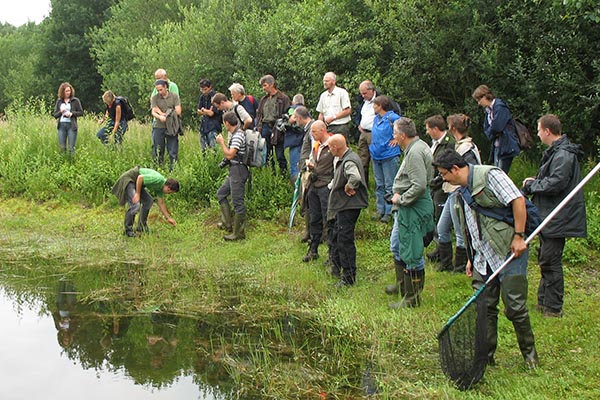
382,134
502,128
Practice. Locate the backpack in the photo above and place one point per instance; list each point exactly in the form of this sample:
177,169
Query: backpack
126,108
256,149
525,138
504,214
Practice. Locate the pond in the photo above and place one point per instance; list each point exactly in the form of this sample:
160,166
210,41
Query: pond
72,331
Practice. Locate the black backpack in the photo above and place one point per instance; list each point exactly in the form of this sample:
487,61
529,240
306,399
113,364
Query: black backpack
126,108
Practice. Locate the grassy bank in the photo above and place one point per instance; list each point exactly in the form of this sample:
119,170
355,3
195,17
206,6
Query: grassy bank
65,214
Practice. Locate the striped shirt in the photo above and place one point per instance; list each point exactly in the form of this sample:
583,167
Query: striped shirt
505,191
238,141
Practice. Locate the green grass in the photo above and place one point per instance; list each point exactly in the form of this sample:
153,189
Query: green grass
59,211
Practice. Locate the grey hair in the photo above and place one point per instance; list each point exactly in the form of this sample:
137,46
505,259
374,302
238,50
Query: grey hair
238,88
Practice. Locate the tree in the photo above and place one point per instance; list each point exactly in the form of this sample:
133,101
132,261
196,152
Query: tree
66,52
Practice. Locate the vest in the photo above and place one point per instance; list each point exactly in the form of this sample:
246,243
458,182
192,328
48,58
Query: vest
498,233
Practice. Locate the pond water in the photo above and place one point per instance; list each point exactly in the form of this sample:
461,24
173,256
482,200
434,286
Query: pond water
67,350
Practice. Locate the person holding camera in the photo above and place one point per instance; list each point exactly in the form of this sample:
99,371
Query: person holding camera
320,165
235,183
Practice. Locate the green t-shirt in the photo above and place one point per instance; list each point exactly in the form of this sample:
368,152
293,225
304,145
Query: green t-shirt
153,181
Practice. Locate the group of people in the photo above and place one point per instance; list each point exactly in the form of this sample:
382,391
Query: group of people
428,191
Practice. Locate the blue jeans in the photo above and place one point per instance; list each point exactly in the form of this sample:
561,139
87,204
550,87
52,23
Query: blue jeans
294,158
395,248
66,133
449,219
160,141
385,171
208,140
505,163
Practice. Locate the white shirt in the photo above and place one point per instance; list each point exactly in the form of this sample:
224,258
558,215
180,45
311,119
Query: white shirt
367,113
334,102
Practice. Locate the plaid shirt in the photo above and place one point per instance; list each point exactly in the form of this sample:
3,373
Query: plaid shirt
505,191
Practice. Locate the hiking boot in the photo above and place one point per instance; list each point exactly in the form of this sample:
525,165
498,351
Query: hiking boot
310,256
130,233
552,314
386,218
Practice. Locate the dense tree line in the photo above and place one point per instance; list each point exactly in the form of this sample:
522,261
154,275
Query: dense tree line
539,55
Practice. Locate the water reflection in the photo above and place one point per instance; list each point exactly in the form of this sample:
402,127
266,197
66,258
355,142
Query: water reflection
104,350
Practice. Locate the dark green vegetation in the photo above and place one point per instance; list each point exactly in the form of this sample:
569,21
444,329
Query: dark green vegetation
539,55
272,325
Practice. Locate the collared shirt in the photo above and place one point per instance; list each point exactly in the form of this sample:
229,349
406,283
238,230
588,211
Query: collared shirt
334,102
367,114
505,190
435,143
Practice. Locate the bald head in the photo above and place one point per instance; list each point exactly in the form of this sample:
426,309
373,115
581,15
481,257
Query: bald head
367,90
337,145
319,131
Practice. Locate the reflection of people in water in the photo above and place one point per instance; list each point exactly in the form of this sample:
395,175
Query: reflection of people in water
163,341
65,322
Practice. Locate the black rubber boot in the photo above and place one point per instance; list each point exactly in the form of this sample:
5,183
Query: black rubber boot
399,267
239,228
445,253
226,222
460,261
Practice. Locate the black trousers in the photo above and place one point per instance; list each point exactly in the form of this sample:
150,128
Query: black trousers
552,282
343,250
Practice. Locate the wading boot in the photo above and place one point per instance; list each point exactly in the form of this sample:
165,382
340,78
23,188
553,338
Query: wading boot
460,260
225,223
515,290
129,219
445,253
399,268
239,228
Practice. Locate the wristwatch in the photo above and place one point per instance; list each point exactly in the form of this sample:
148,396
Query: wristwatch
522,234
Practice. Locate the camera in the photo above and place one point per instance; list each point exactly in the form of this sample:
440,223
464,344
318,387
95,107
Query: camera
224,162
436,182
283,123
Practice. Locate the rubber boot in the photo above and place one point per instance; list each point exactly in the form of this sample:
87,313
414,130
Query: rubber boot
460,261
129,219
410,289
239,228
399,267
225,223
445,253
514,296
142,225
